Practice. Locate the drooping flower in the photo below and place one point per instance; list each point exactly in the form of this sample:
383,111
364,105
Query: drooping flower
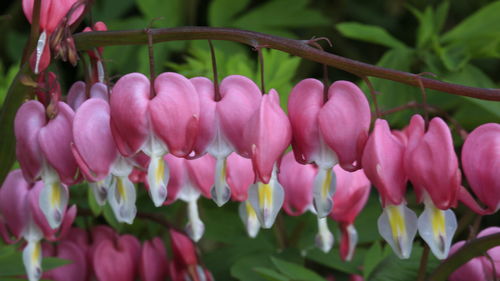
52,13
96,68
117,259
239,178
156,125
328,131
432,166
481,161
222,123
153,263
78,268
190,179
268,134
298,181
353,189
77,94
96,153
185,265
383,164
43,151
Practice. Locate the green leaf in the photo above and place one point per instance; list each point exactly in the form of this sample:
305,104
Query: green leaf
295,271
479,33
167,10
243,269
270,274
426,28
454,57
265,18
372,258
441,14
369,33
332,259
11,262
391,268
109,216
484,22
94,207
222,12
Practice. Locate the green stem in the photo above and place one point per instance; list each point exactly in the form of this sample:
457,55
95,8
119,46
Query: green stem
300,48
474,248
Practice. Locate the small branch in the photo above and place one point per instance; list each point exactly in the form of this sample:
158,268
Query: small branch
152,72
423,264
459,129
261,67
474,248
217,96
89,40
373,94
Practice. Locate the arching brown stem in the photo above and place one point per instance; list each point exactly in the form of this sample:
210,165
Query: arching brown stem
299,48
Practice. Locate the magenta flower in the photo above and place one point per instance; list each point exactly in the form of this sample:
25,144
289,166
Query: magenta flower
117,259
184,265
239,178
153,264
95,151
328,132
298,181
189,180
77,93
51,14
43,151
353,189
13,206
383,160
78,268
480,161
96,65
268,134
167,122
222,123
432,166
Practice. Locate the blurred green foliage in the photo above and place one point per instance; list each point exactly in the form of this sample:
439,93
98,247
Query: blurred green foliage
458,41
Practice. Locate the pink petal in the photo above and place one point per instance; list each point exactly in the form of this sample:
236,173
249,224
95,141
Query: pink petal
184,251
353,189
344,122
153,264
112,262
76,95
432,165
205,89
93,139
481,161
78,268
55,139
201,172
13,207
240,99
240,176
177,179
297,181
304,105
129,120
30,118
100,91
383,164
175,113
268,134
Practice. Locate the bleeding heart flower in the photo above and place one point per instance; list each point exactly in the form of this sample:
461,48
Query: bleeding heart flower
350,198
184,265
52,13
43,150
13,206
327,131
471,270
268,134
432,166
96,153
240,177
167,122
78,268
96,65
222,122
189,180
153,264
77,93
117,259
481,161
383,160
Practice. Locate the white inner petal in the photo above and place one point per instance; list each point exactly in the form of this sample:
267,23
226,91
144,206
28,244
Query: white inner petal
249,218
195,227
325,184
40,45
267,199
158,177
32,259
324,238
221,193
398,226
122,197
